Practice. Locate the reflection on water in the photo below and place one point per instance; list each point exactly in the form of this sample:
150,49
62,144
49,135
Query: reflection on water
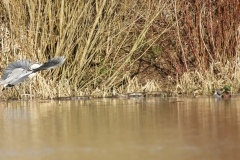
155,128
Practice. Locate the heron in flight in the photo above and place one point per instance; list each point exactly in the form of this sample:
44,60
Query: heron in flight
20,70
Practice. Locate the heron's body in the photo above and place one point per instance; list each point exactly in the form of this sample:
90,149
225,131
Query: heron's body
20,70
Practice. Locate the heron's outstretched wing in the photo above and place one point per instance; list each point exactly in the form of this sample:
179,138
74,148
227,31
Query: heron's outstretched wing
11,76
20,64
16,76
52,63
20,78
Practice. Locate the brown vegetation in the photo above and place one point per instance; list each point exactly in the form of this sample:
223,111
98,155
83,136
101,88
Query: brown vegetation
114,47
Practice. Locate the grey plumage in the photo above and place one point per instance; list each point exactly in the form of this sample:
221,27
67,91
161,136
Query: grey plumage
18,71
52,63
218,94
20,64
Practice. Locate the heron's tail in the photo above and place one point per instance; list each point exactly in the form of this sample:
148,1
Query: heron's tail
52,63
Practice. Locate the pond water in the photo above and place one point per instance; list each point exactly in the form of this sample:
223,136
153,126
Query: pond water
138,129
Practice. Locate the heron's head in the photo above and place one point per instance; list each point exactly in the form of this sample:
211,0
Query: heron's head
35,66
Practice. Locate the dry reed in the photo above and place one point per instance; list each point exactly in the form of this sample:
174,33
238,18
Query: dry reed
115,47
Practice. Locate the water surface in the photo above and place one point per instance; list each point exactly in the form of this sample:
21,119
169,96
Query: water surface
153,128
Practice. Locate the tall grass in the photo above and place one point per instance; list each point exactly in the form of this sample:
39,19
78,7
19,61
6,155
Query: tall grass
100,39
114,47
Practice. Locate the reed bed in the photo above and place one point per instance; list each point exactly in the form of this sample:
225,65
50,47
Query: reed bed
115,47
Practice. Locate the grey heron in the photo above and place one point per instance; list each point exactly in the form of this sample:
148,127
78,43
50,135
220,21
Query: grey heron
20,70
